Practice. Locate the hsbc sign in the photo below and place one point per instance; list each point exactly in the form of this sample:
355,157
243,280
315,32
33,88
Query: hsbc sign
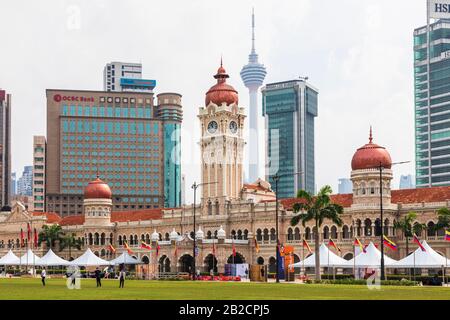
59,98
439,9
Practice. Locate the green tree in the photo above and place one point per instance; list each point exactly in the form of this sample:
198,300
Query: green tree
408,227
316,208
443,222
70,241
50,235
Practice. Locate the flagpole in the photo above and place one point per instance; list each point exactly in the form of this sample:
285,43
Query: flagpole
354,260
414,269
303,260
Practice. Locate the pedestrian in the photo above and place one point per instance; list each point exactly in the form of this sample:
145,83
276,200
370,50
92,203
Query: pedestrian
121,278
43,275
98,275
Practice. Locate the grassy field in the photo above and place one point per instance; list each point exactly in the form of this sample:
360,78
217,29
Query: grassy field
17,289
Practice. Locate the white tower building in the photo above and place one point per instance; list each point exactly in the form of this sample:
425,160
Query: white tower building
253,75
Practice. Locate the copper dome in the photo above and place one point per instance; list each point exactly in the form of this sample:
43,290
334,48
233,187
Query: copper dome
370,156
221,92
97,189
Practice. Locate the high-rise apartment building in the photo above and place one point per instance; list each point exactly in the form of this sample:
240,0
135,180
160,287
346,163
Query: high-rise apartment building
122,137
124,76
5,148
432,104
39,147
289,109
25,182
253,75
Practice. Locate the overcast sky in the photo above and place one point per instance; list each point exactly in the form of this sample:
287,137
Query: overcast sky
358,53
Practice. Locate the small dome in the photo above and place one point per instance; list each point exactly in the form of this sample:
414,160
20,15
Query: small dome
370,156
97,189
221,92
199,234
221,233
155,236
173,235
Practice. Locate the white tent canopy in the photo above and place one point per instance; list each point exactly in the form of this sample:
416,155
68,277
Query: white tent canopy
51,259
9,259
89,259
327,259
124,258
371,258
29,258
423,259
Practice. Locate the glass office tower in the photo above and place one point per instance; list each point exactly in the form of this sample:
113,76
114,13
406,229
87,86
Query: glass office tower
289,109
432,104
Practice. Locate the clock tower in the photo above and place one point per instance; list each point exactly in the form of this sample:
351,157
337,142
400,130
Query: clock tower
222,145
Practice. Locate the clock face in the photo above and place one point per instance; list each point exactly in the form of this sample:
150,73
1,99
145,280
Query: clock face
233,126
212,127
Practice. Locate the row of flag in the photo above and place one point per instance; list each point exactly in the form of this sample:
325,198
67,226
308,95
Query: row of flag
30,233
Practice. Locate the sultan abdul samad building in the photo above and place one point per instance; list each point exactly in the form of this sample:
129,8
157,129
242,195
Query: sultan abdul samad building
232,213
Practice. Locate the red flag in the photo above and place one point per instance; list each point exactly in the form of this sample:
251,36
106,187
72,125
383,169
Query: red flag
358,243
35,238
157,248
28,232
111,248
22,243
416,240
332,244
145,246
125,244
305,244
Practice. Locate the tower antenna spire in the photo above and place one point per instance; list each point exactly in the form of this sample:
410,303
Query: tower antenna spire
370,135
253,30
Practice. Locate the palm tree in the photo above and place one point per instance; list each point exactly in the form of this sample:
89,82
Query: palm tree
443,219
69,240
50,234
316,208
408,227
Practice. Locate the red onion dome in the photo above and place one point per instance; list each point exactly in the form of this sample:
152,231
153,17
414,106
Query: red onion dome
370,156
221,92
97,189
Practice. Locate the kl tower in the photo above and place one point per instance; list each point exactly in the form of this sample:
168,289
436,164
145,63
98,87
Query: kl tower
253,75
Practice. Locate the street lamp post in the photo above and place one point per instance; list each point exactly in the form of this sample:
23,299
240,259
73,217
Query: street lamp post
195,186
276,178
380,168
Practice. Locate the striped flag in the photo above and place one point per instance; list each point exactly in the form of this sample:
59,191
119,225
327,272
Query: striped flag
331,243
125,244
35,238
389,243
447,235
111,248
358,243
306,245
417,241
256,244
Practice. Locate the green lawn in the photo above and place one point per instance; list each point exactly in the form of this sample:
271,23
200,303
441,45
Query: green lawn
179,290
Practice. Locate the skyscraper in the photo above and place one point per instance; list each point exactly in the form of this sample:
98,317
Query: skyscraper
39,147
125,76
345,186
25,182
5,148
123,137
406,182
253,75
432,104
289,109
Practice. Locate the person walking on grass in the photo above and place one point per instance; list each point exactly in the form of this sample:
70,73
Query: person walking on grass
121,277
43,275
98,275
